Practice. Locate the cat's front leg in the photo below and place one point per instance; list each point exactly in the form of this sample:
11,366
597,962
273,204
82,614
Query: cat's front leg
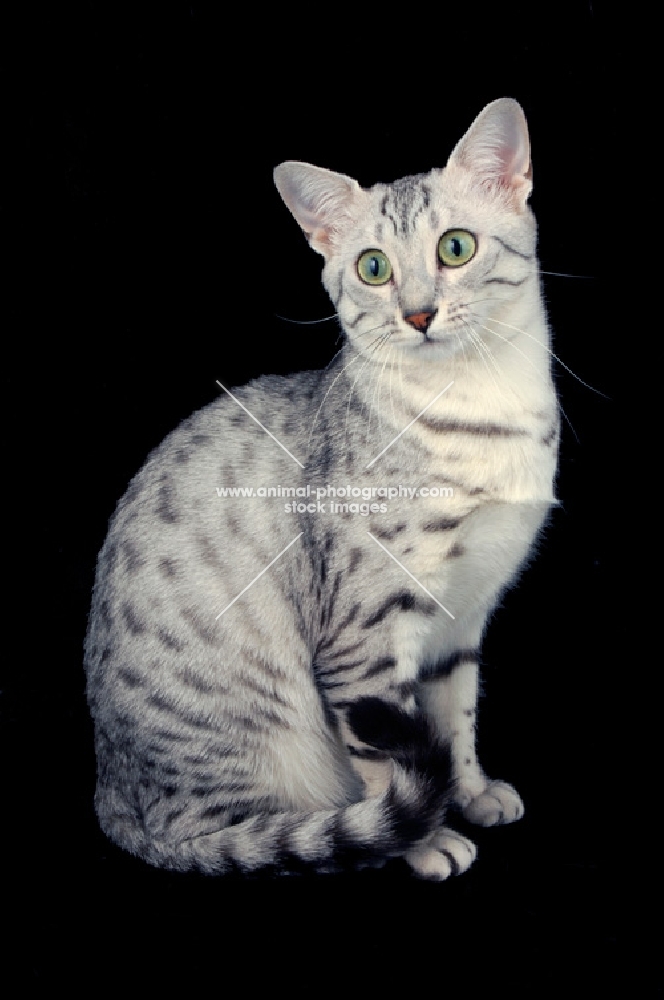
449,697
442,854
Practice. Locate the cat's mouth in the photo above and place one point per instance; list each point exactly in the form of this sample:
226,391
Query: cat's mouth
426,340
431,345
430,340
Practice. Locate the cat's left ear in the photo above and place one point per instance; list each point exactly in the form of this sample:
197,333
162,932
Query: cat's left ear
496,150
325,204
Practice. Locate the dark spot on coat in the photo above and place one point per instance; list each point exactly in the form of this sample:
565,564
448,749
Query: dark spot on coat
168,568
206,631
133,558
105,614
165,508
130,677
355,559
132,619
169,640
389,533
442,524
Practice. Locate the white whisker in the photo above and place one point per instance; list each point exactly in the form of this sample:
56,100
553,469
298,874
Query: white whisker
532,365
379,343
379,382
332,384
592,388
306,322
404,405
476,340
560,274
394,419
463,351
333,359
377,375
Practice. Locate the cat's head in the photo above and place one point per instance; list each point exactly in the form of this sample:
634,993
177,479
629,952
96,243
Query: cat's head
423,262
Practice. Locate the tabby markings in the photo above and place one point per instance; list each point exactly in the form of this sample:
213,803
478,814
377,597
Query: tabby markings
351,324
402,601
389,533
442,524
365,753
132,620
440,426
446,666
262,427
408,573
517,253
505,281
380,666
340,668
409,199
260,574
410,424
355,559
165,507
346,650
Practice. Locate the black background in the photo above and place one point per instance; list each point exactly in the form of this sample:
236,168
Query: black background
147,255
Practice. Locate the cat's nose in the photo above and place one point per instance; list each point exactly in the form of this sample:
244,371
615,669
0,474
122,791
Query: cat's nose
421,320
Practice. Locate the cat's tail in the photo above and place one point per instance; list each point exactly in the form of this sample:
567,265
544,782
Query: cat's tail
362,834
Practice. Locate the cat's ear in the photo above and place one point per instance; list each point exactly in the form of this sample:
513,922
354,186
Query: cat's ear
325,204
496,150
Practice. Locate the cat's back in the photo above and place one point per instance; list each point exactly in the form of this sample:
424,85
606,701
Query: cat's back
190,530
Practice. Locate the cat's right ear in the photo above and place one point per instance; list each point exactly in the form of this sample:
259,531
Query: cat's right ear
324,204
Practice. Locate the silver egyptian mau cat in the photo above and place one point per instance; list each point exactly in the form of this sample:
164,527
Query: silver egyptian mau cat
287,679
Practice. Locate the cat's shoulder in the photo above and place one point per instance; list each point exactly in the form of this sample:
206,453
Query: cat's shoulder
223,439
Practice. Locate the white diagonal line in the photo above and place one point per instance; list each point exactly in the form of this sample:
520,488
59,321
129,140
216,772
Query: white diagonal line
258,577
407,426
407,571
255,419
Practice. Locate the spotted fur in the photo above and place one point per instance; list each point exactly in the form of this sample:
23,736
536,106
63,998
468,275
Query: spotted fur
327,717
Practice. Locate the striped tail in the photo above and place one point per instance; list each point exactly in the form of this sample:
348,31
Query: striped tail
363,834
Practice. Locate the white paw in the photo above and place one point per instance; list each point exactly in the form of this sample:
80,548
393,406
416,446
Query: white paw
461,850
498,803
446,853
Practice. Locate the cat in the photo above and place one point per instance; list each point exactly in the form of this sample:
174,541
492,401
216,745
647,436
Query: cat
287,681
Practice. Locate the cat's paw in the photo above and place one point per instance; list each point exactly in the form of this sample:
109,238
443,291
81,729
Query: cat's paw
446,853
498,803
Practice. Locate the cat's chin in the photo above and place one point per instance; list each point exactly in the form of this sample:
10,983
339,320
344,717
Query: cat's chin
432,347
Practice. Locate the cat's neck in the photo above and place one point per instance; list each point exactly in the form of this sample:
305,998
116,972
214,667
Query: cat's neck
503,371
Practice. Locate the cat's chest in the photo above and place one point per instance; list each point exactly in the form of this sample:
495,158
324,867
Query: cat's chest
496,460
470,437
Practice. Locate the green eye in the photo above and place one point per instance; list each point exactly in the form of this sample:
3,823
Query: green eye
374,267
456,247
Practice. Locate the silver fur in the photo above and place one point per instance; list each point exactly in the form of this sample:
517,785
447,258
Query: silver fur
228,741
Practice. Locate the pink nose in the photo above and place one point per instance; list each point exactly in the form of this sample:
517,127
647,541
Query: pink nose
420,320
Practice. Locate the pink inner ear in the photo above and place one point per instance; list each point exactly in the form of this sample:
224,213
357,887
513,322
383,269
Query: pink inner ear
515,152
320,200
496,148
